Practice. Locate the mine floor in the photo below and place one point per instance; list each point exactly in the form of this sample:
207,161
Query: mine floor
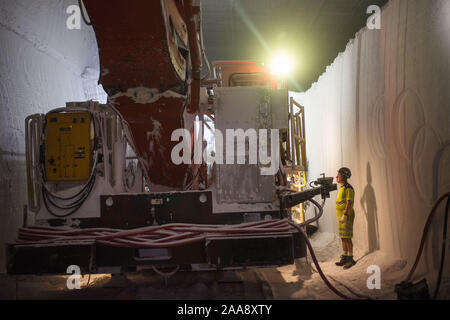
299,281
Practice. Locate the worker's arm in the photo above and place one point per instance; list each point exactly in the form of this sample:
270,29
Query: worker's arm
348,206
349,196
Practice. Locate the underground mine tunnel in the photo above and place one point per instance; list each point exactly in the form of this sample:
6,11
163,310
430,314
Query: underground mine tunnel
224,149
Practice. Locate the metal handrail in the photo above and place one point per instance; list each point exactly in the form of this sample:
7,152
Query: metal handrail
297,140
33,129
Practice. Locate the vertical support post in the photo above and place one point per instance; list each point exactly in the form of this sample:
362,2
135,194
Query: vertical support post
25,216
303,134
292,142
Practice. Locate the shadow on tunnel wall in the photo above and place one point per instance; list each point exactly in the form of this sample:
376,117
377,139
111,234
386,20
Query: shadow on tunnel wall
369,204
12,198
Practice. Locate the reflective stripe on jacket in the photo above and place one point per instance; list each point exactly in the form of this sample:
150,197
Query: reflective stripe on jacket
345,193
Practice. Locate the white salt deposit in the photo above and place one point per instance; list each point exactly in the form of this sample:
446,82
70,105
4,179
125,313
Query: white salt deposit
382,109
301,280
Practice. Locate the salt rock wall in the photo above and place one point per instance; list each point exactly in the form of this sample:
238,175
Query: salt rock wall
383,109
43,65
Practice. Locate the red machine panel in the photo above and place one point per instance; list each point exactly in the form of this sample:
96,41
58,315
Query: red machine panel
144,52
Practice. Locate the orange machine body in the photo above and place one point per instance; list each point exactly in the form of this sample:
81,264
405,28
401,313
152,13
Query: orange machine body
244,73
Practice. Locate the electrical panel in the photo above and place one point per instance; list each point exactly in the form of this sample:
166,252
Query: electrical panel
68,146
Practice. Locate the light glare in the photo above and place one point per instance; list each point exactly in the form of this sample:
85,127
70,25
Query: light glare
281,65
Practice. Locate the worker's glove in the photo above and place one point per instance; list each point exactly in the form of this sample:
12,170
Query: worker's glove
343,219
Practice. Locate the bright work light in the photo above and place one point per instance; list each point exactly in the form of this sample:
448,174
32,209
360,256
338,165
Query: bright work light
281,65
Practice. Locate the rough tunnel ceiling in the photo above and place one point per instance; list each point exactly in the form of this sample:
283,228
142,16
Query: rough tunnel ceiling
315,31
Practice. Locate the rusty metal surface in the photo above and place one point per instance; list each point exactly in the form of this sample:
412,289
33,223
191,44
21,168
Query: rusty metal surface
144,56
150,127
133,44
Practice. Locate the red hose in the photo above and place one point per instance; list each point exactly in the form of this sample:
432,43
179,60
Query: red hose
416,262
313,255
424,235
164,236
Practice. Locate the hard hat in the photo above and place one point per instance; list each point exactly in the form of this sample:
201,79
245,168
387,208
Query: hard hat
345,172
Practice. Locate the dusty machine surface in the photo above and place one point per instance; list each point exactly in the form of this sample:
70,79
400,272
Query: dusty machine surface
103,189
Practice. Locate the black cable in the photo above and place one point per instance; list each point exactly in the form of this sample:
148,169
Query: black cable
64,207
332,278
82,192
313,184
75,195
50,211
317,217
350,290
81,196
80,4
443,249
322,275
89,280
73,206
311,250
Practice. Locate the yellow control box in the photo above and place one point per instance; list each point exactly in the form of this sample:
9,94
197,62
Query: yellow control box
68,146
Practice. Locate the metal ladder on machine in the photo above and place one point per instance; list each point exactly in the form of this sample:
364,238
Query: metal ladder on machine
296,153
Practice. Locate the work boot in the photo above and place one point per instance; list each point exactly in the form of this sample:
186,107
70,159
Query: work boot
350,263
343,261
